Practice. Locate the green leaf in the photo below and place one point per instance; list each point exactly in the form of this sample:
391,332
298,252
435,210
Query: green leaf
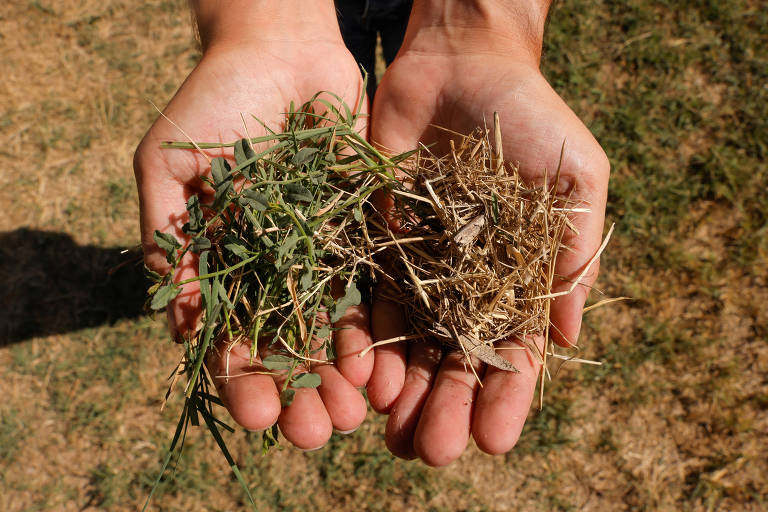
277,362
304,155
220,170
237,249
168,243
257,200
358,213
306,380
195,214
243,153
199,243
164,295
218,289
295,192
287,246
152,275
305,282
323,332
205,284
352,297
221,196
286,397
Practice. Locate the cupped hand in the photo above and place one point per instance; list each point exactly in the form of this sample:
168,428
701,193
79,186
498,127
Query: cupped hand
434,402
230,86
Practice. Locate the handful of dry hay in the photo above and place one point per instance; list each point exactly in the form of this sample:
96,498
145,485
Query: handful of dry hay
475,255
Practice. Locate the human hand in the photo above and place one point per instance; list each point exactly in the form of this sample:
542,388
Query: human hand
456,77
258,57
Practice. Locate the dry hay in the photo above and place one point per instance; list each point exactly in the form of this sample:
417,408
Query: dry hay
476,248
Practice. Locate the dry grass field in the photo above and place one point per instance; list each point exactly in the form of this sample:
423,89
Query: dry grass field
675,419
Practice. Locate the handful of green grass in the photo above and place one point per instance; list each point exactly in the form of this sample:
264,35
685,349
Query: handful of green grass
284,223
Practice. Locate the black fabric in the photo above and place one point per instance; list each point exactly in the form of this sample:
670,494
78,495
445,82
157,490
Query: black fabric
362,20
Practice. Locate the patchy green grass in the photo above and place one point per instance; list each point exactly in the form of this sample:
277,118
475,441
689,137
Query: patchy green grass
673,420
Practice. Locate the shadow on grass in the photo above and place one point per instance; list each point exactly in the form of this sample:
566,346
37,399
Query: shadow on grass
51,285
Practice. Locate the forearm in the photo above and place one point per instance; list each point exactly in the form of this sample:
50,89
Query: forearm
243,22
484,26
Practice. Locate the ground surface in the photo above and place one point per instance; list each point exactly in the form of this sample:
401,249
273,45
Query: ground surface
676,418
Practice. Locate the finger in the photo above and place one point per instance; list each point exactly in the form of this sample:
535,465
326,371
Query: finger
345,404
353,334
566,311
503,402
388,375
444,426
423,361
305,422
251,398
162,197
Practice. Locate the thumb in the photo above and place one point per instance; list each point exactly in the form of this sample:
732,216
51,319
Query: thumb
587,184
162,205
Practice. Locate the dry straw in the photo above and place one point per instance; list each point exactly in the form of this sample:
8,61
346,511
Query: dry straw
476,248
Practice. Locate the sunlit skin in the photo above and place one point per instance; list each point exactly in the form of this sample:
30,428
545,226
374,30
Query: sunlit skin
457,77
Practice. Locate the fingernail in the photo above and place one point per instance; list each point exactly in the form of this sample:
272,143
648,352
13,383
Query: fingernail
256,431
311,449
345,432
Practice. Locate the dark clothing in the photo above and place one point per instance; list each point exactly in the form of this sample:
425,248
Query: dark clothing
362,20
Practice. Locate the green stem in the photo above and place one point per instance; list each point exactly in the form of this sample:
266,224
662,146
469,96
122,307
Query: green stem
220,272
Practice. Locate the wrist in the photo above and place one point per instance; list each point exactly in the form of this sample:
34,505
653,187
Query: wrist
243,23
505,27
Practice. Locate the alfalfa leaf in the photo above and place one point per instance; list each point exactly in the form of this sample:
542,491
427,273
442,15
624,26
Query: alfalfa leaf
163,296
221,196
352,297
218,289
237,249
205,284
286,397
287,246
295,192
220,170
305,282
306,380
199,244
304,155
168,243
243,153
152,275
277,362
323,332
259,201
195,215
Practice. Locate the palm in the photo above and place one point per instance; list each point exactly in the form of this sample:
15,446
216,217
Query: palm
223,92
435,403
